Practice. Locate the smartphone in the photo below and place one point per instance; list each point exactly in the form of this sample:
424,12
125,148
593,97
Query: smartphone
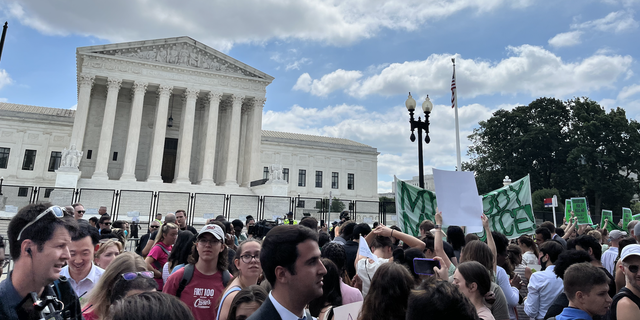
424,266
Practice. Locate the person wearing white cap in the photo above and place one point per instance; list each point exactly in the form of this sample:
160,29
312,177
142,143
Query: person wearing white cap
200,284
636,231
626,304
608,258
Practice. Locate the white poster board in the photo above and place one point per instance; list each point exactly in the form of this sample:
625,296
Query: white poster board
458,199
348,311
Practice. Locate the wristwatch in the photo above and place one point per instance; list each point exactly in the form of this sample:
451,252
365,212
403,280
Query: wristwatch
438,226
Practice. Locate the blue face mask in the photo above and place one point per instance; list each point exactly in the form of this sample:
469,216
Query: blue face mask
126,233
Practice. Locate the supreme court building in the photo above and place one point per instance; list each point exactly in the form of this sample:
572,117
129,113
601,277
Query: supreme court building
173,115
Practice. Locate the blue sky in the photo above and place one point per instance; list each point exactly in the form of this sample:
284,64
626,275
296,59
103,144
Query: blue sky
344,69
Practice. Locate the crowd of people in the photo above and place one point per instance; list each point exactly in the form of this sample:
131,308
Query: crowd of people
304,270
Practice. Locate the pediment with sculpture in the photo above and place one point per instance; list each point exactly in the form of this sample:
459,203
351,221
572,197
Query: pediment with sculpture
180,54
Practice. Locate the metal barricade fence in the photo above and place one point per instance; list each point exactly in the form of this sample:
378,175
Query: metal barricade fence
206,206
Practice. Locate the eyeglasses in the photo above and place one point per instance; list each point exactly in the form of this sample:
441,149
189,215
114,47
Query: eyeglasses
132,275
211,242
154,227
633,268
58,212
246,258
107,223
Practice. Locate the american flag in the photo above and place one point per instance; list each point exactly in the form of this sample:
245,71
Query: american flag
453,88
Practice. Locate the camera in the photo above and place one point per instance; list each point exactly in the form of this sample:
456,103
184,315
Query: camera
261,228
57,301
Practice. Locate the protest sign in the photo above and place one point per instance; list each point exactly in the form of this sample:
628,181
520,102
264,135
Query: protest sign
458,199
363,250
509,208
580,210
607,214
348,311
627,216
636,216
567,210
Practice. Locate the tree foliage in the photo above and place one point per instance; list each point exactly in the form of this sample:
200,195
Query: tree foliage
574,146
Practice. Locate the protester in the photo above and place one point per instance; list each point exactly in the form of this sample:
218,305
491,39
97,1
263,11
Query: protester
405,258
528,246
455,237
389,292
208,269
544,286
438,299
592,246
351,247
99,300
631,228
78,211
428,227
247,262
104,224
345,232
564,261
290,260
153,226
150,306
322,307
542,235
246,302
160,252
310,222
39,236
609,256
93,221
586,287
626,304
80,271
474,281
181,221
380,242
619,276
336,253
552,231
238,226
515,258
131,283
179,254
106,252
504,272
169,218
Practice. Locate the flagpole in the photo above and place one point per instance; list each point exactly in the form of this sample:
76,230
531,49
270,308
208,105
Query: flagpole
454,98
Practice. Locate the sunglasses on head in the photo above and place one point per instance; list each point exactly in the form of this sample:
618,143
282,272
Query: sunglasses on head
132,275
58,212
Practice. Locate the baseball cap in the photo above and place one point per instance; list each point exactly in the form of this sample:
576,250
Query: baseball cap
630,250
617,234
214,229
290,213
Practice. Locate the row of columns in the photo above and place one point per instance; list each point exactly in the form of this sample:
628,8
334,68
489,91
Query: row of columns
183,161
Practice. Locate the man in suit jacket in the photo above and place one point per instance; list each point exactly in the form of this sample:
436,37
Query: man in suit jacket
290,260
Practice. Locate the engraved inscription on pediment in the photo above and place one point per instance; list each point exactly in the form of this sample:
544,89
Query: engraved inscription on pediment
180,54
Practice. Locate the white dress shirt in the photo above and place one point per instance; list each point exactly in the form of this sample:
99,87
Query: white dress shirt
529,258
284,313
608,259
84,286
543,288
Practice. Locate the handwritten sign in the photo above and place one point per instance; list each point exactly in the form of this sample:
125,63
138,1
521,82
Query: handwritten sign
580,210
567,209
627,216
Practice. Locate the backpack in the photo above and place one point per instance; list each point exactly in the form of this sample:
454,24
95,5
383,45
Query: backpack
188,274
156,263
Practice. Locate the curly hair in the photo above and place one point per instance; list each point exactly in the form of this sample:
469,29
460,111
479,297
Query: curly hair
388,294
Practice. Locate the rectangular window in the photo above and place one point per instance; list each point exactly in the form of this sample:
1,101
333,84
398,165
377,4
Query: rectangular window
47,192
334,180
300,204
54,161
29,159
4,157
265,173
318,179
285,174
89,153
350,181
115,156
302,178
23,192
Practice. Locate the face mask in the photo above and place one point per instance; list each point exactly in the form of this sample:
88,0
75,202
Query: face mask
126,233
543,264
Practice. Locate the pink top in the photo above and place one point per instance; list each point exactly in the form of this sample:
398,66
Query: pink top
158,254
349,294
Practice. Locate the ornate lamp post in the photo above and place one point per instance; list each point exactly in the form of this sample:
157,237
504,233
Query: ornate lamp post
427,106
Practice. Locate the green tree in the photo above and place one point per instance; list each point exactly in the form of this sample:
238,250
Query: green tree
538,196
336,205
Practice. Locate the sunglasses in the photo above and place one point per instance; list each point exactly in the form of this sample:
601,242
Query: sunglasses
132,275
633,268
107,223
81,211
154,227
58,212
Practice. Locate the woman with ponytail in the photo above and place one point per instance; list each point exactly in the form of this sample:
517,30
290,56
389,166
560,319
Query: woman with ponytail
159,254
474,281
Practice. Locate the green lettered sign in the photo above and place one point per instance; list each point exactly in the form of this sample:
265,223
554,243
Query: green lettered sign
636,216
627,216
607,214
509,208
567,210
579,206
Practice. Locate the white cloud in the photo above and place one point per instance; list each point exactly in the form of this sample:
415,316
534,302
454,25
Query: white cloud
295,65
339,79
4,100
566,39
629,91
529,69
5,79
222,24
388,132
614,22
74,107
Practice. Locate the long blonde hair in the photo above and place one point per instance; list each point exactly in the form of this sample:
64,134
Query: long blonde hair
99,298
164,229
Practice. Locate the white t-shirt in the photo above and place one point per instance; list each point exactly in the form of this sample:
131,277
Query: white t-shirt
529,258
366,268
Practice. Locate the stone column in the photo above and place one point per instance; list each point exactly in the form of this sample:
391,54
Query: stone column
256,142
159,132
208,153
85,82
133,135
185,140
243,156
234,142
106,132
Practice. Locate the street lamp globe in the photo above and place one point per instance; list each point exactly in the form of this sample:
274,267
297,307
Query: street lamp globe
427,106
410,103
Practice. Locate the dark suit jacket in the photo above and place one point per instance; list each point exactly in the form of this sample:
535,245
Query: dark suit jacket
266,312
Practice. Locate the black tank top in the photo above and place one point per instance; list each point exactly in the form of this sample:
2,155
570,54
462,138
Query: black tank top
624,292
